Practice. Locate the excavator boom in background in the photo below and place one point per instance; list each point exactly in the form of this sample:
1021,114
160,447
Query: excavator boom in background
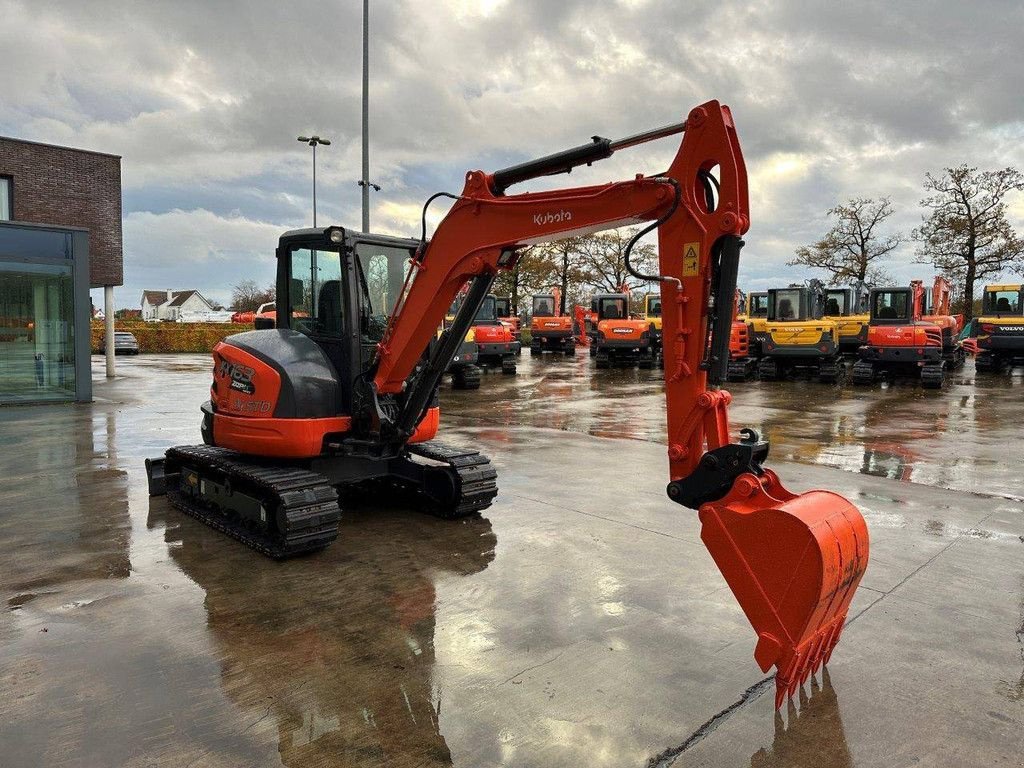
343,392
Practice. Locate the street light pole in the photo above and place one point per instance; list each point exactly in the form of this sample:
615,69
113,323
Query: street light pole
313,141
364,182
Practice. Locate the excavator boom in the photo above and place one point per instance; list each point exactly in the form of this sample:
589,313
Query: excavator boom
792,561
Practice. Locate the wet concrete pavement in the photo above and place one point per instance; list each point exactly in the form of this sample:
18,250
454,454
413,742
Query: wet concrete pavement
957,438
579,622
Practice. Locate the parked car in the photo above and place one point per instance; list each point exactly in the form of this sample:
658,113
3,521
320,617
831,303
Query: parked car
124,344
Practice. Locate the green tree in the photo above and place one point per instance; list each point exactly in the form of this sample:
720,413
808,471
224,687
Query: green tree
966,235
847,252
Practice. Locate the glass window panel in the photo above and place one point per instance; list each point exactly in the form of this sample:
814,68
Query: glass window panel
37,352
891,305
543,306
486,313
315,292
26,243
613,309
787,304
1003,302
835,303
5,199
382,271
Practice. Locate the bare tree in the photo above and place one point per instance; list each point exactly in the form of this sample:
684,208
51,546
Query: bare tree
247,296
966,236
847,251
605,259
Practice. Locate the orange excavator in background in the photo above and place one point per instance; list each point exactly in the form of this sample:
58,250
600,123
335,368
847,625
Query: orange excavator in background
342,393
938,304
584,320
503,309
550,329
903,341
620,338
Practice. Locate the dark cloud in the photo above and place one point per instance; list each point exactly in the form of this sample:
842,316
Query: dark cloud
204,100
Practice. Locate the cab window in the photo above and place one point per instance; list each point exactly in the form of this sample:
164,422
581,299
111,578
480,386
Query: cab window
486,312
503,307
613,309
784,305
835,303
543,306
315,292
654,306
891,305
1004,302
758,304
382,271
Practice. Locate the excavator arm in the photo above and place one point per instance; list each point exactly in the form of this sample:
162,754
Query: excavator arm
793,561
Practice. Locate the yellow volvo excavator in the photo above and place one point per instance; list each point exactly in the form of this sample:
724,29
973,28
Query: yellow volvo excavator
998,333
799,337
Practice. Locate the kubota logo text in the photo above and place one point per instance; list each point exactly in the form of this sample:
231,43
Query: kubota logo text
551,218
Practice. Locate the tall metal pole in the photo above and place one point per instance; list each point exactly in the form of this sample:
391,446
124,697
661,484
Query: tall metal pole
313,141
366,116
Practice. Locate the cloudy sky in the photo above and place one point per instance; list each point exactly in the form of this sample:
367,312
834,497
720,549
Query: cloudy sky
204,99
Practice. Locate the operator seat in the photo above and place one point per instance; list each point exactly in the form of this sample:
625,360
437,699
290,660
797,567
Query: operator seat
329,308
1003,305
832,307
887,313
786,309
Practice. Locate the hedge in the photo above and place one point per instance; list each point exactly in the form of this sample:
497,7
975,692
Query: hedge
171,337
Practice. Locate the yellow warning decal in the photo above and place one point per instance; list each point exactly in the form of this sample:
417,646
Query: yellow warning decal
691,259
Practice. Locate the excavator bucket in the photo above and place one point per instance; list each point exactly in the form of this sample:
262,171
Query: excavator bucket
793,562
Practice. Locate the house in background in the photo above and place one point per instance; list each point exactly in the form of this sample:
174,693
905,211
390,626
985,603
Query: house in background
188,306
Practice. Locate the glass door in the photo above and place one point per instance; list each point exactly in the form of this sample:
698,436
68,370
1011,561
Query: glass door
37,354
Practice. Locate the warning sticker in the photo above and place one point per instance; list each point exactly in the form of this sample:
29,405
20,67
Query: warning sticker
691,259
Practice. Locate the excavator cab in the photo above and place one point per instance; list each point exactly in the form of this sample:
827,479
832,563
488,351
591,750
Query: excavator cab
621,340
550,329
901,341
848,310
998,334
798,336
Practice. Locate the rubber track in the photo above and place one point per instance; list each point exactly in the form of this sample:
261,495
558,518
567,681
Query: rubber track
932,376
477,479
309,503
863,372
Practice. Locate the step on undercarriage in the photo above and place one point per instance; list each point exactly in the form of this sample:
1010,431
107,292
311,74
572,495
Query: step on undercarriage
287,510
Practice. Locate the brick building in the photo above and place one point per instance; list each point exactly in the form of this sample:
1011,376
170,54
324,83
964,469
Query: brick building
60,235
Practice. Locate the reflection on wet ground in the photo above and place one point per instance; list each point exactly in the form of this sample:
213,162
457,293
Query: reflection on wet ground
955,438
798,739
580,622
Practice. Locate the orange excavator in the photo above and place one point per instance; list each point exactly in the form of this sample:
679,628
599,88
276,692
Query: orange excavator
342,394
584,321
551,330
904,341
619,337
